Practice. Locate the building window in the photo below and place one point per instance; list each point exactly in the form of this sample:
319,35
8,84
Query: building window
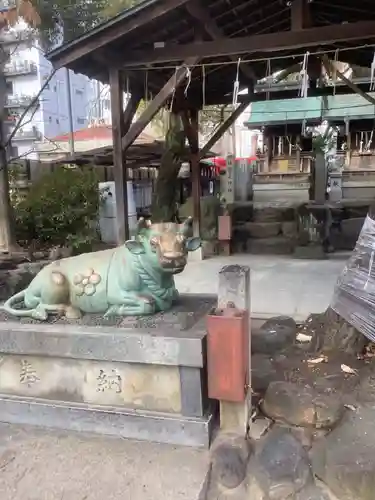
13,152
50,119
54,88
79,92
57,121
9,87
106,104
81,121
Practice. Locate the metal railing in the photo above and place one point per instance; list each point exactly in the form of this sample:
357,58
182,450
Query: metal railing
30,134
12,36
18,101
20,67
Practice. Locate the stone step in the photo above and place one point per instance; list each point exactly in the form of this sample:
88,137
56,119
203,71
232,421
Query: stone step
108,420
278,245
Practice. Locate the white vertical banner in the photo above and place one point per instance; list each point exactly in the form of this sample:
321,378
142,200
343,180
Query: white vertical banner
229,180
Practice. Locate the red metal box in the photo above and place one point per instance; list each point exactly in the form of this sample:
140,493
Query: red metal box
228,354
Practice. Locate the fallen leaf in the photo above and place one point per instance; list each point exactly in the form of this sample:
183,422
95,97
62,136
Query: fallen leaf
350,407
315,361
301,337
347,369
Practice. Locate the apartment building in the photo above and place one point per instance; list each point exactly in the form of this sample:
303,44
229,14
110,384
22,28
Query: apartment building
27,71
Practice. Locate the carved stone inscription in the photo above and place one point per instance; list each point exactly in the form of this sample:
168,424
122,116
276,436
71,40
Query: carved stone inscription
109,382
28,374
143,386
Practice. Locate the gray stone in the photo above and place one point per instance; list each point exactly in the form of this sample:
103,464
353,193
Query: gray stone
57,253
263,373
274,335
280,467
345,460
175,337
302,406
365,393
268,214
315,252
166,347
278,245
229,458
263,229
113,421
312,493
19,277
289,229
308,435
259,427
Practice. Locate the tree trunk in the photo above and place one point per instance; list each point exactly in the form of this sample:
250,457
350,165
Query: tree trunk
330,332
163,207
7,228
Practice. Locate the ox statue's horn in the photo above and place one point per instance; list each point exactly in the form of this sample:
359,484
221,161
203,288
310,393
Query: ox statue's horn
186,226
143,223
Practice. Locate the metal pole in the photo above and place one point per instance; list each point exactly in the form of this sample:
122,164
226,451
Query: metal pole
70,112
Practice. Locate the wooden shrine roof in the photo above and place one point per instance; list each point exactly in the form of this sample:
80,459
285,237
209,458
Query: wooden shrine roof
151,39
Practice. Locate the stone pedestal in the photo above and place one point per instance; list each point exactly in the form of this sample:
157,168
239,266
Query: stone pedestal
141,378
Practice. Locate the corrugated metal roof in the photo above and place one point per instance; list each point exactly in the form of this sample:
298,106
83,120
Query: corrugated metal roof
285,110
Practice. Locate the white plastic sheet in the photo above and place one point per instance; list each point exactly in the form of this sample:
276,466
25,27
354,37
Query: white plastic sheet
354,295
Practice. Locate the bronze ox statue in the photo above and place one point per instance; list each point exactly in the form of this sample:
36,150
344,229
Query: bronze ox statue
133,279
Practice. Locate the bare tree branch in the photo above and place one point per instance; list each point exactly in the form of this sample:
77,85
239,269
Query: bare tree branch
32,150
26,110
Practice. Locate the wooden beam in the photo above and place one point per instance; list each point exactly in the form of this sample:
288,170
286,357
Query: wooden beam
201,14
331,68
190,131
271,42
111,31
300,15
119,159
223,128
131,109
158,101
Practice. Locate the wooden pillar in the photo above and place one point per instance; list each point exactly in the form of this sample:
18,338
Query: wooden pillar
298,153
121,122
195,174
268,150
348,153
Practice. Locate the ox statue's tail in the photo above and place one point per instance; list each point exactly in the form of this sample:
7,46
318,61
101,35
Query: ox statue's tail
9,307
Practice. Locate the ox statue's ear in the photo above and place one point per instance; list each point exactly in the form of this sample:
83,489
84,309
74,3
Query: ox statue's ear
193,244
134,247
186,226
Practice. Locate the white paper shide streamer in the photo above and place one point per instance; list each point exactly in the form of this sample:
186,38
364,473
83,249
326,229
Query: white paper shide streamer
304,76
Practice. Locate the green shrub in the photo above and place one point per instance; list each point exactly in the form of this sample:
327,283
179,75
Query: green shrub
61,208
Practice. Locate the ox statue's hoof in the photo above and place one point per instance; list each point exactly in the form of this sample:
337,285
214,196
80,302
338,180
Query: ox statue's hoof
40,313
72,313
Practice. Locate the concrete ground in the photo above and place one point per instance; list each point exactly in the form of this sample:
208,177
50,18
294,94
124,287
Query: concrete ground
279,285
37,464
